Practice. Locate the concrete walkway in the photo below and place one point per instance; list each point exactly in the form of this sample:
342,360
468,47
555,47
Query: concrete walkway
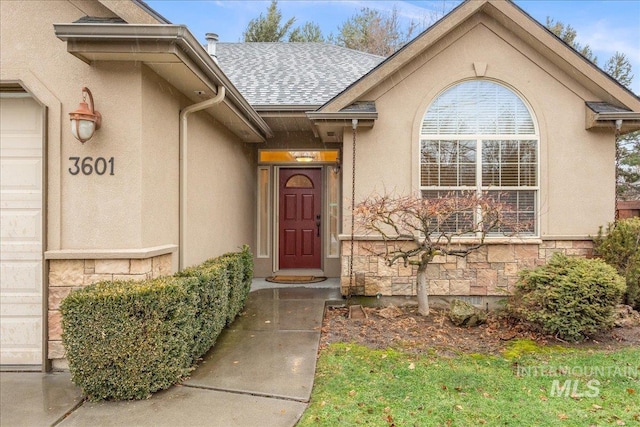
259,373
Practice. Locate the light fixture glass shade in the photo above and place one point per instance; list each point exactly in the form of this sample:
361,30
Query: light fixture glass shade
304,156
82,130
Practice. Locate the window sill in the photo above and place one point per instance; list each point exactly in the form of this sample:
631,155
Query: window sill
533,240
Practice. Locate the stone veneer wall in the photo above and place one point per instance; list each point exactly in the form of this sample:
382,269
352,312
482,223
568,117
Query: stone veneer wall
68,274
489,271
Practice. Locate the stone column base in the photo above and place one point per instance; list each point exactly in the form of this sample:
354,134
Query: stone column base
66,275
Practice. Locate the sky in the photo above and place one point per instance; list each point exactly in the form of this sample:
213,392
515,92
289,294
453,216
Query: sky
606,26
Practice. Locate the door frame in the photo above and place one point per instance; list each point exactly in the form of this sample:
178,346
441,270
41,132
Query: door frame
276,213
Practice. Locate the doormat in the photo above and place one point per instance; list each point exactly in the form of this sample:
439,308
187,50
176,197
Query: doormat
296,279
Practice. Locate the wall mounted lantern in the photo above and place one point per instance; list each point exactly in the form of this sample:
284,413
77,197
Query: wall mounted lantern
85,120
336,166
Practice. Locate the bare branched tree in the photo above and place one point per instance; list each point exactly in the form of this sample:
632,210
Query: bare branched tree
415,229
375,32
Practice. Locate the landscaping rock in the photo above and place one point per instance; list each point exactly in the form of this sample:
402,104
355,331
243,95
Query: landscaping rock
462,313
626,316
356,312
390,312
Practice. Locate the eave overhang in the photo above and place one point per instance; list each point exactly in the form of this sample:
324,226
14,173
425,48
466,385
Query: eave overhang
317,116
329,126
605,116
173,53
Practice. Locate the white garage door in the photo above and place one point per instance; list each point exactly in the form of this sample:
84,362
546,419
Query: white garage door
21,317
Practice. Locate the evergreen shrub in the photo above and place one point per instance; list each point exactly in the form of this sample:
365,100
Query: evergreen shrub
128,339
212,309
240,268
620,247
571,298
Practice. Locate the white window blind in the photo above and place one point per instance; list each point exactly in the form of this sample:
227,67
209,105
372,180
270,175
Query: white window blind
478,107
480,136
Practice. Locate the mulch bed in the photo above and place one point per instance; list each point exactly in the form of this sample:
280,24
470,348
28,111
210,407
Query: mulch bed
405,329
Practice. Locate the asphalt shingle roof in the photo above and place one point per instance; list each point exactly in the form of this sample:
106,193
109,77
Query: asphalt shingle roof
274,74
98,20
605,107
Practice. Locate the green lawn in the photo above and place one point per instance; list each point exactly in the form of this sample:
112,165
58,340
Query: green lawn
529,386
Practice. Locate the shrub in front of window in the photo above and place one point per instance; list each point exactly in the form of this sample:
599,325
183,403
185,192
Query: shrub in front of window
570,298
620,247
416,229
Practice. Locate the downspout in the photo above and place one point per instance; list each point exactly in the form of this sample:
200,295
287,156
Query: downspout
616,213
182,218
354,127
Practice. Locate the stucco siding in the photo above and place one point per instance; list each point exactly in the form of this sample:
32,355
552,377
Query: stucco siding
104,211
221,191
161,104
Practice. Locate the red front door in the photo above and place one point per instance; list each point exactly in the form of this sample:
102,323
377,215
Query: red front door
300,218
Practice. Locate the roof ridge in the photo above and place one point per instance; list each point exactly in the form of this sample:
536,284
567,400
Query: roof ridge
298,44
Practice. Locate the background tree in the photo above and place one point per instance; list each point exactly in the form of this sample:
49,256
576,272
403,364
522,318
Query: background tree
415,230
629,166
373,32
628,145
619,67
568,34
269,28
309,32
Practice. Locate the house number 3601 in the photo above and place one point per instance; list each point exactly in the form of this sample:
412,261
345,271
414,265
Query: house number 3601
89,165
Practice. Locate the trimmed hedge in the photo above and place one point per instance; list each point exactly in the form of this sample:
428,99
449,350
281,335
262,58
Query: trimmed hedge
212,307
240,270
127,339
568,297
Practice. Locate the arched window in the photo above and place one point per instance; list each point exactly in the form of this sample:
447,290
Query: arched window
299,181
480,136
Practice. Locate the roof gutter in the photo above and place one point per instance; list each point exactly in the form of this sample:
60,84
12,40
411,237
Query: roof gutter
177,35
622,121
184,115
342,115
618,115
